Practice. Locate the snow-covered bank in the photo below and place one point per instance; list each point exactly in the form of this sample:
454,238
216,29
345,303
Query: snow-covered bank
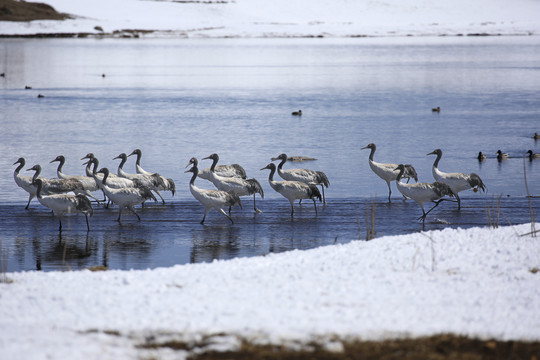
475,282
288,18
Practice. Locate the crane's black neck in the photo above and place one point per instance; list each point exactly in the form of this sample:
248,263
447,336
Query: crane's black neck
272,172
401,171
61,162
372,153
39,185
195,171
105,175
139,155
123,158
283,161
436,162
21,165
36,174
214,163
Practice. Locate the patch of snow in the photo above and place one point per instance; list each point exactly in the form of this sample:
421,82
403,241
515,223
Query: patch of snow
477,282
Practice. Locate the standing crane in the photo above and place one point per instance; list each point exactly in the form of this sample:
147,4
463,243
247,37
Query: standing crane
62,204
388,172
211,199
423,192
168,183
303,175
293,190
239,186
457,181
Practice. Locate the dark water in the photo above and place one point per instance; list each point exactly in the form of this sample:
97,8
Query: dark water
176,99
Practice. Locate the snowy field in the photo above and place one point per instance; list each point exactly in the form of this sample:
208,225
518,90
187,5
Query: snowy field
477,282
289,18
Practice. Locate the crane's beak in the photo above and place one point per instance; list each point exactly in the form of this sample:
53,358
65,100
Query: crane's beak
431,153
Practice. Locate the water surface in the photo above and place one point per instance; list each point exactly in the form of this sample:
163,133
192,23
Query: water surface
176,99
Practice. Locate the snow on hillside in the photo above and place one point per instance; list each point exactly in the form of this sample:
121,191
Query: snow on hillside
285,18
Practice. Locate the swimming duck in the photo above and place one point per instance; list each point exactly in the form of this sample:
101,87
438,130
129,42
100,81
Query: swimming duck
297,113
501,155
533,155
481,156
437,109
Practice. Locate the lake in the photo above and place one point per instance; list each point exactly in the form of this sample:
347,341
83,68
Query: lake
179,98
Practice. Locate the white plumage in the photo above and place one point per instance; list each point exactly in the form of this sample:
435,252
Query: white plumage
388,172
211,199
236,185
62,204
168,184
293,190
457,181
56,186
152,182
302,175
125,197
24,182
422,192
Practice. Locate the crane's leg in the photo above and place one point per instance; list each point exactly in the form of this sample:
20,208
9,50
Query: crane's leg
292,209
315,204
389,191
255,206
60,222
119,214
29,199
87,224
458,201
162,199
133,211
228,217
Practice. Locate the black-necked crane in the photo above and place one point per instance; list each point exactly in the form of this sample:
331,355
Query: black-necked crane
56,186
125,197
293,190
303,175
388,172
423,192
502,156
457,181
62,204
88,182
532,155
239,186
211,199
24,182
168,183
152,182
481,156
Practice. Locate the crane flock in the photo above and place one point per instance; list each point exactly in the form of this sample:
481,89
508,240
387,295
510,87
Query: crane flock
71,193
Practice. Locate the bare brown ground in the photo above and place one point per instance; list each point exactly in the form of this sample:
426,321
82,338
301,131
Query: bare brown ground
11,10
448,347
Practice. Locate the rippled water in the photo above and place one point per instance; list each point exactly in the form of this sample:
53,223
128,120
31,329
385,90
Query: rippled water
176,99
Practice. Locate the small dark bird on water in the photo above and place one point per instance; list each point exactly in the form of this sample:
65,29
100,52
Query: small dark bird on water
536,136
481,156
437,109
297,113
27,87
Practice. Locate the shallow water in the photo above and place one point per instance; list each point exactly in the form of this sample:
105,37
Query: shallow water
176,99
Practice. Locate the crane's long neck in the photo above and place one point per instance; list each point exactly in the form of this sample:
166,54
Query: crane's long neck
283,161
401,171
105,176
214,163
95,162
138,161
195,173
21,165
272,172
39,185
36,174
123,160
372,153
436,162
61,162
